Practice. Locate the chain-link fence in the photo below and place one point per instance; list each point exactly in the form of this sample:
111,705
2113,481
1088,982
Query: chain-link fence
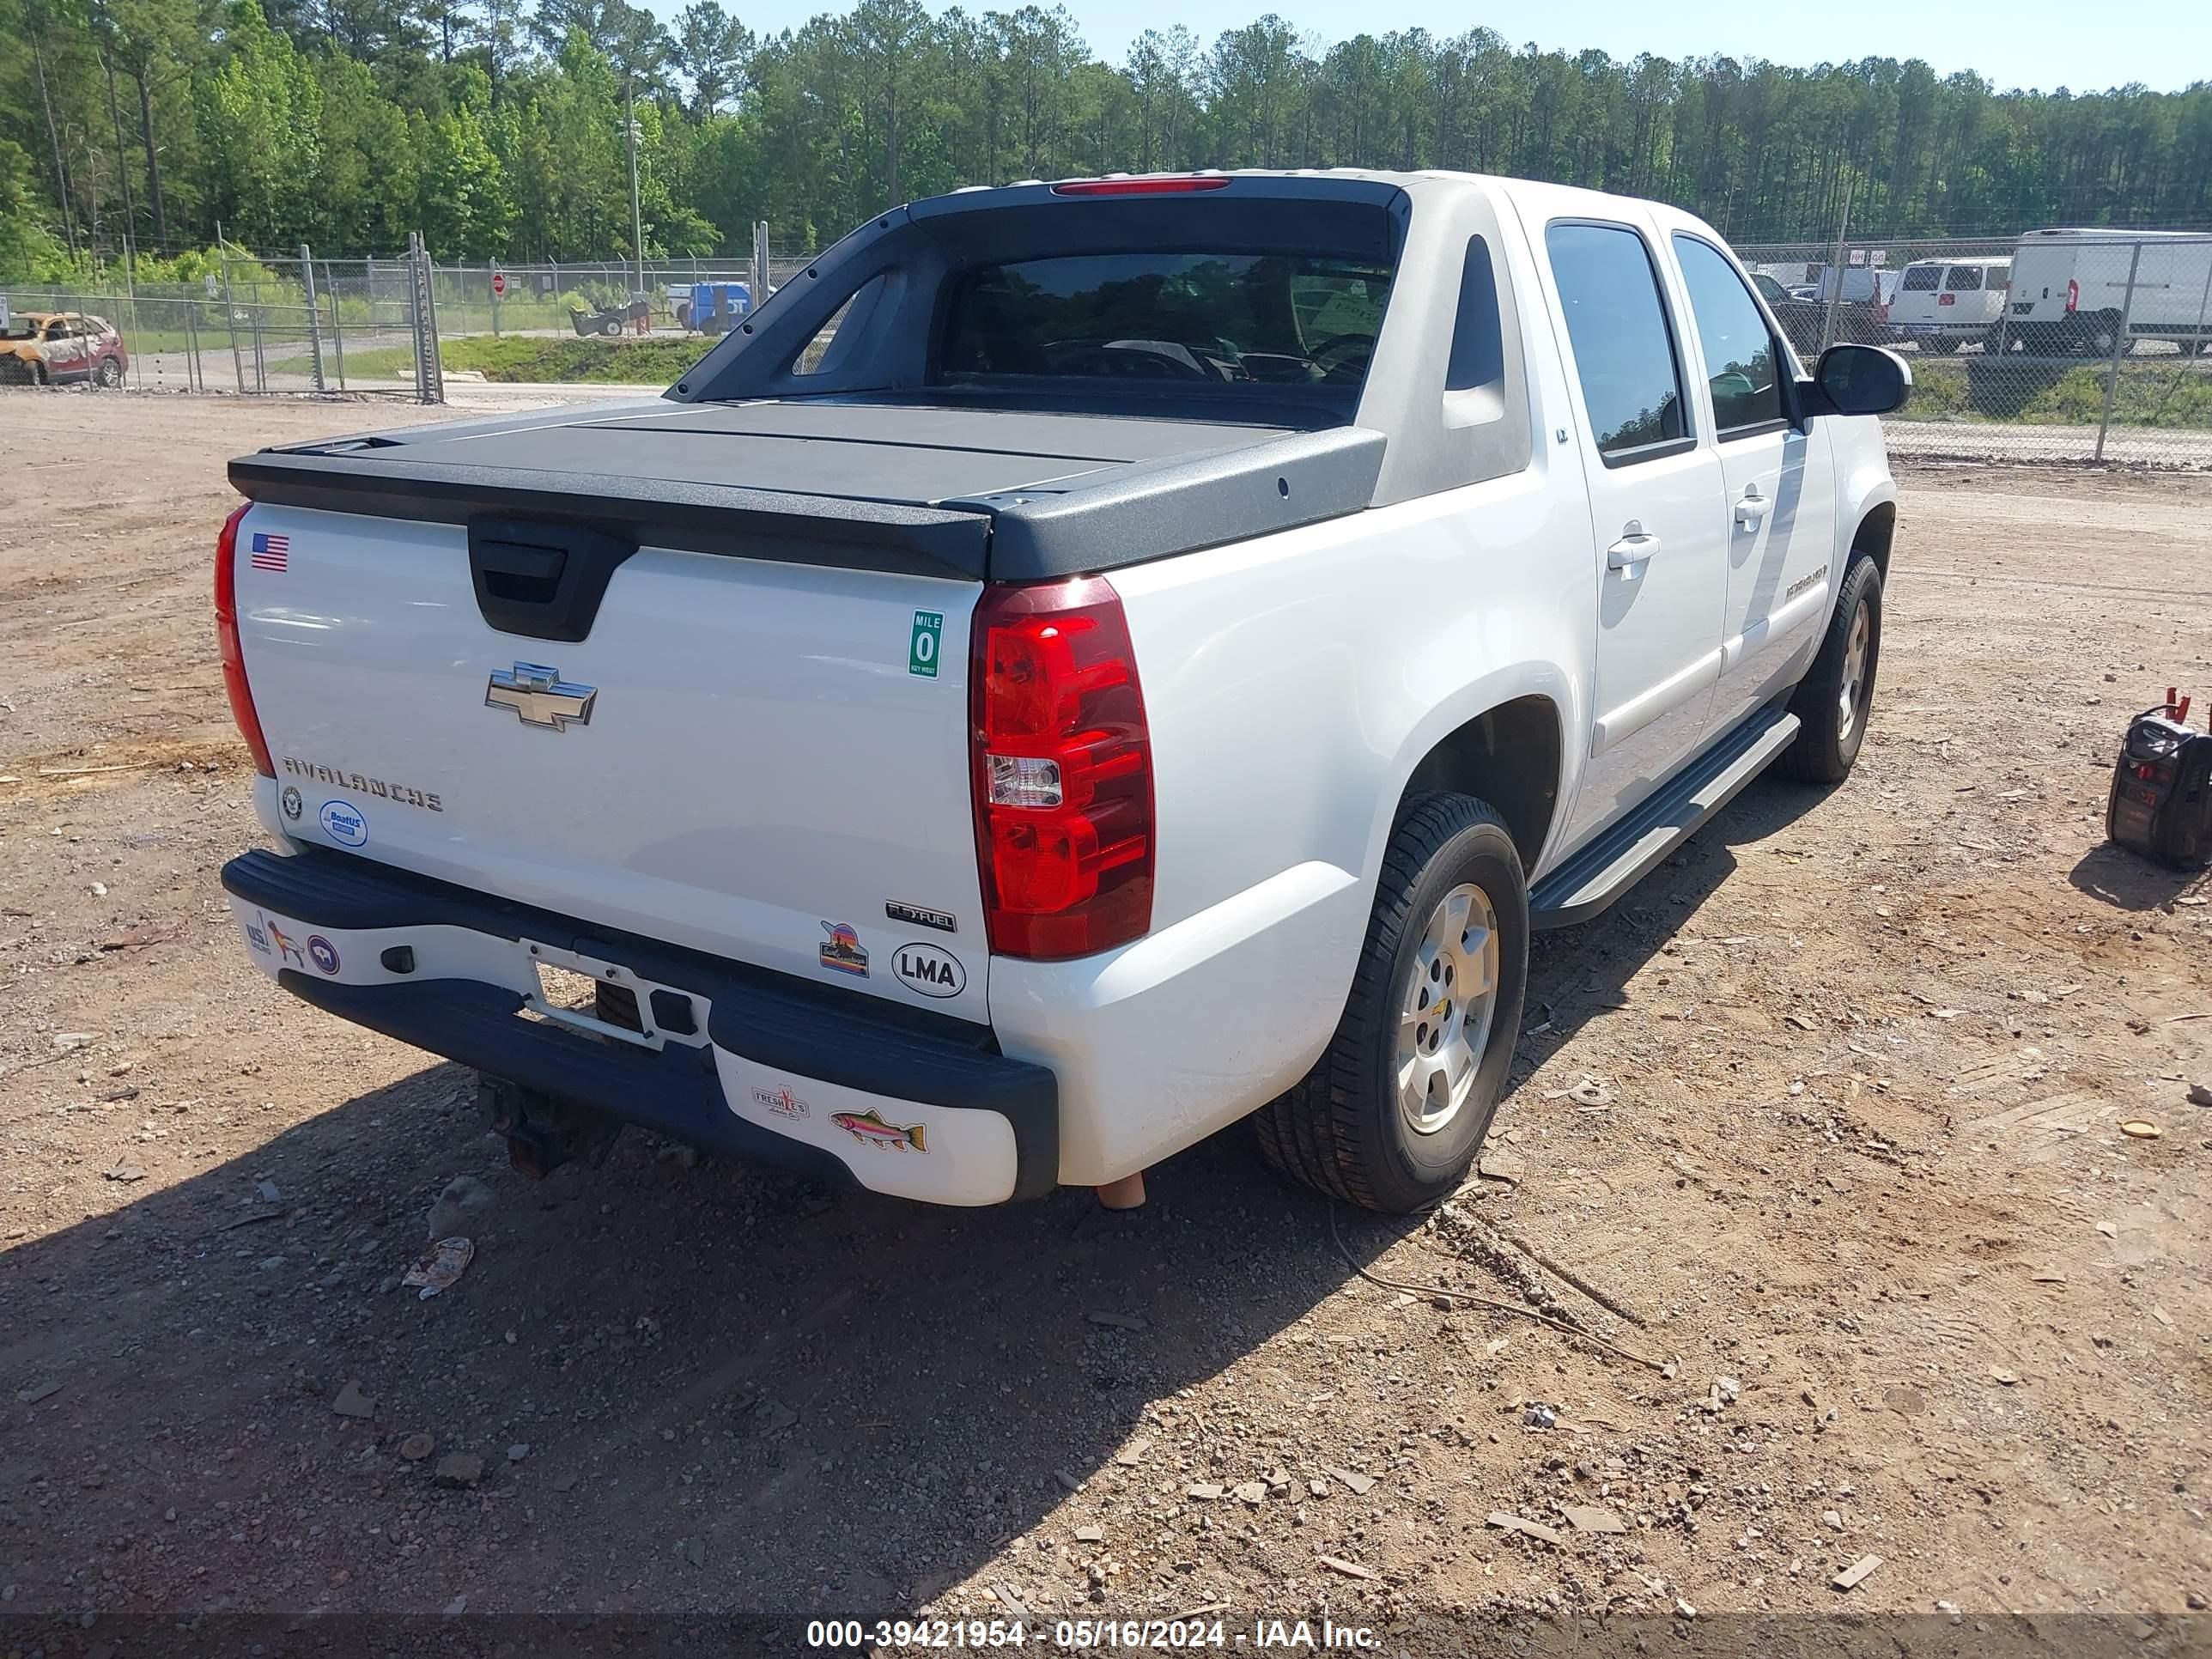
2054,345
299,323
259,324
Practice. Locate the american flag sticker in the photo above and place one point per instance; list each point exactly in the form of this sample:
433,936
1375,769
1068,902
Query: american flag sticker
270,552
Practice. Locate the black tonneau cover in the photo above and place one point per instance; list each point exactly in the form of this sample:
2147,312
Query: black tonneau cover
932,488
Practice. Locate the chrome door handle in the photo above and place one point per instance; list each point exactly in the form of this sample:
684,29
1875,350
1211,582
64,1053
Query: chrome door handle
1633,548
1751,509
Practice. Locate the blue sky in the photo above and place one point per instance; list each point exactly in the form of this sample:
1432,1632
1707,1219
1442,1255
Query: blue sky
2043,43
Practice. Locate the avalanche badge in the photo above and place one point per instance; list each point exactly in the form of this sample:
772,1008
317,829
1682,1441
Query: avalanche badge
870,1128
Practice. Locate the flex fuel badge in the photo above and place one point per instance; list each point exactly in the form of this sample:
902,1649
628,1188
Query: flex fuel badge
921,649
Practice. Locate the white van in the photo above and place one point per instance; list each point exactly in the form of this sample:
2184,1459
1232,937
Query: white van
2070,289
1944,303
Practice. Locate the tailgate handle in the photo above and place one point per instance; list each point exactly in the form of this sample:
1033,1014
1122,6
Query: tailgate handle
542,582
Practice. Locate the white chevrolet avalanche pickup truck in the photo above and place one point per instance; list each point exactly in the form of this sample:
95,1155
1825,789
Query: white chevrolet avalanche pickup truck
1083,663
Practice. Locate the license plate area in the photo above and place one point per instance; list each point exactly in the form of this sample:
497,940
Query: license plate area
569,994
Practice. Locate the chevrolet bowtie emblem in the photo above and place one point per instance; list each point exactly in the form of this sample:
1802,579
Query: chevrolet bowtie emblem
540,696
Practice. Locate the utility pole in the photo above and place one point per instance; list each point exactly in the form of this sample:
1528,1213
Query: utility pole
1836,268
637,213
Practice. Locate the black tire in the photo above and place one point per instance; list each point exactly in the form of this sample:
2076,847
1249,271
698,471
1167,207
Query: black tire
2095,335
108,374
610,327
1340,1129
1827,742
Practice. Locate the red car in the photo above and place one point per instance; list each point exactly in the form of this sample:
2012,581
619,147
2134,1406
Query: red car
50,347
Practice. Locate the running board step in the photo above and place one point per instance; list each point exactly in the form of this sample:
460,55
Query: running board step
1587,883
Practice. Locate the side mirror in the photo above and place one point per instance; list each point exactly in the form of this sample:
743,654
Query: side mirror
1858,379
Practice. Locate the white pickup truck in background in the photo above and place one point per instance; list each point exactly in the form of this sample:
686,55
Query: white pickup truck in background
1082,665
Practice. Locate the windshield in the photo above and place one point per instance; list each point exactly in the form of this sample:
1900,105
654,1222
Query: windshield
1198,318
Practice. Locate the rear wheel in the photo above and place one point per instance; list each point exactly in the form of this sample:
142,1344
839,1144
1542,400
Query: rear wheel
1832,701
2095,336
1394,1113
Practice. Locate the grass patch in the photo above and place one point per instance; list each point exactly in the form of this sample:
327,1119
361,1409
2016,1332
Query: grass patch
634,362
644,362
2166,393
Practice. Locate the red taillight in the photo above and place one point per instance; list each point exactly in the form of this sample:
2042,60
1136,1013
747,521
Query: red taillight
226,627
1157,184
1063,770
2073,295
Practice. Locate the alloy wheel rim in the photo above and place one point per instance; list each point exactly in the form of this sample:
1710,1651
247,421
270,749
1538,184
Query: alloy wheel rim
1850,696
1450,1001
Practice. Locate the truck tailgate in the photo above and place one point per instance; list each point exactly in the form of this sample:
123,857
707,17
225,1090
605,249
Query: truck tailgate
766,760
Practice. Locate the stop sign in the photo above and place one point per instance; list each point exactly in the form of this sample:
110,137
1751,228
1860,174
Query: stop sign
499,285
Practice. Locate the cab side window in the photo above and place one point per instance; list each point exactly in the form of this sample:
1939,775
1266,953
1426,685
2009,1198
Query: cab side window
1742,364
1624,349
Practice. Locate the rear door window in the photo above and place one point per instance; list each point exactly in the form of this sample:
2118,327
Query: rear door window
1624,349
1191,318
1964,279
1922,279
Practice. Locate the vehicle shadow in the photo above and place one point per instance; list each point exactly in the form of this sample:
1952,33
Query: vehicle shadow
737,1391
1578,973
701,1387
2127,881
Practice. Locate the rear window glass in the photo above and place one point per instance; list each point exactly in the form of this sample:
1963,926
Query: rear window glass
1922,279
1196,319
1964,279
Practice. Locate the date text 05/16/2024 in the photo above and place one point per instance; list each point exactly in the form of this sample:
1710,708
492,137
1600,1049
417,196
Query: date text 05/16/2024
1093,1635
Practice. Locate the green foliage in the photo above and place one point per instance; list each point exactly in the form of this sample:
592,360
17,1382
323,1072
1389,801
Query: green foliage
26,244
260,127
467,211
630,362
500,127
638,363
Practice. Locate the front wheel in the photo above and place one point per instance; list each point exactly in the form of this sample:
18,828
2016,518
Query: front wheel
109,373
1394,1111
1832,700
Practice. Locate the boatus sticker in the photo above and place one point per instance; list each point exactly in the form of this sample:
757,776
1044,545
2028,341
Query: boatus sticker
921,645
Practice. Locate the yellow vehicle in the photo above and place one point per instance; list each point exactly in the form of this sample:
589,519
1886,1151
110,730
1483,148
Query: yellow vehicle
50,347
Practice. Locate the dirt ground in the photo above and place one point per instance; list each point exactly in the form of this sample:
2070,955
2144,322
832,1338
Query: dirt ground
1828,1113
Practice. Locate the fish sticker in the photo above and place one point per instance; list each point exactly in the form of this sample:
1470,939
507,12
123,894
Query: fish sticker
869,1126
